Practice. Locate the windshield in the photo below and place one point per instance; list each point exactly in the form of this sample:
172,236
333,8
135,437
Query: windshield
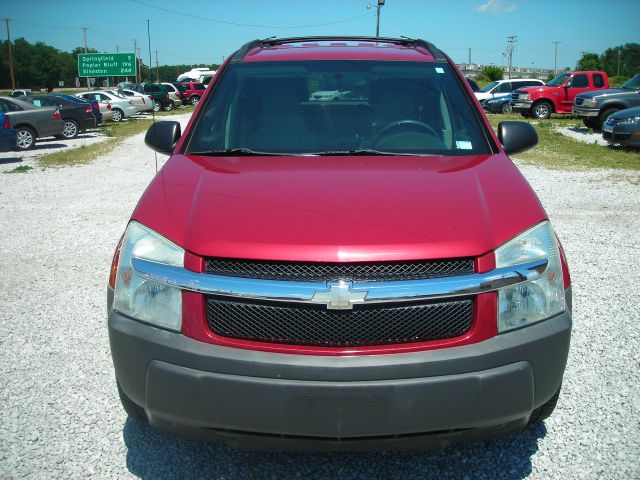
633,83
488,87
380,107
559,80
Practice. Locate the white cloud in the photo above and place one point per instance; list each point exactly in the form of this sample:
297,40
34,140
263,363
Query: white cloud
495,7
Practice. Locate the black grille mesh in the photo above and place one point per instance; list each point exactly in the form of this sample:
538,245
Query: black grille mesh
316,326
374,271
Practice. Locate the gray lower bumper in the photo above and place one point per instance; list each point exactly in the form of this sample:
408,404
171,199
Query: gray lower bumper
586,112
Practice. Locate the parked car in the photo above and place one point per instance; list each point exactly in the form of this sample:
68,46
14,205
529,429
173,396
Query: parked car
556,96
623,127
113,107
328,95
472,84
21,92
31,122
142,101
77,117
198,75
595,107
8,135
339,274
503,88
497,105
191,92
159,94
174,93
95,105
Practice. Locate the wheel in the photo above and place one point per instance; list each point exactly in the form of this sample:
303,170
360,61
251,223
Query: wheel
194,100
604,115
506,108
591,123
545,410
541,110
117,115
26,138
157,105
169,106
132,408
71,129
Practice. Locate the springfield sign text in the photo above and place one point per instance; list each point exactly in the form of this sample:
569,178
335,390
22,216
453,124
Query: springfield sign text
106,65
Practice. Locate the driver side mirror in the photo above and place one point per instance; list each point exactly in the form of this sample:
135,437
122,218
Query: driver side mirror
517,137
163,136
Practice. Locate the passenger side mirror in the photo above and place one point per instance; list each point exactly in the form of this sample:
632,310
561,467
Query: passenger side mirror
163,136
517,137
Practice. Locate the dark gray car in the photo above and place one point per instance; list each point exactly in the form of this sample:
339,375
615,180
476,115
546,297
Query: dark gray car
30,121
595,107
623,127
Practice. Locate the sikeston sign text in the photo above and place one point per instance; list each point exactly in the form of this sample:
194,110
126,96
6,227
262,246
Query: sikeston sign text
106,65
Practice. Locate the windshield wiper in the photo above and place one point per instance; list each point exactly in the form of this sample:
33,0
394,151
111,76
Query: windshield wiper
234,152
361,151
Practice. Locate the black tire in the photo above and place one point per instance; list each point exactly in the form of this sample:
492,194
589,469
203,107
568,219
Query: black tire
506,108
541,110
118,115
71,129
524,114
544,411
591,123
157,106
604,115
132,408
169,106
26,138
194,100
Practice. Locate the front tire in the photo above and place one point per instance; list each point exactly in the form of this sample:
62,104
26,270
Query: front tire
604,115
168,107
26,138
194,100
71,129
544,411
506,108
156,105
134,410
591,123
541,110
118,115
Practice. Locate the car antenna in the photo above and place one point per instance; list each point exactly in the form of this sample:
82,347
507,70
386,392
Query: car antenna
153,111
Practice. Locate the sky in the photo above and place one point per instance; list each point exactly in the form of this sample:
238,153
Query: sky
206,31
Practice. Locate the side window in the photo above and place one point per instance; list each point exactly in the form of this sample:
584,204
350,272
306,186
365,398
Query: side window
4,107
580,81
155,88
504,87
37,102
598,80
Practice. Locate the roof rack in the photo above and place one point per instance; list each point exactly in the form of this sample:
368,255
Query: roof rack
430,47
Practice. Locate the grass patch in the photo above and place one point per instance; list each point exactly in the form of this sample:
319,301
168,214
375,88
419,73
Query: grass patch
559,151
20,169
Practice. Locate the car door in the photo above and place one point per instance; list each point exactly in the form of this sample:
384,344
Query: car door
573,86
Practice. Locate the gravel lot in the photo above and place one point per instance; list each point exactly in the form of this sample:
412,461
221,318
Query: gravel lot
60,414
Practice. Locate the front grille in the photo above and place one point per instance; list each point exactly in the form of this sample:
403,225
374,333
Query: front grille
321,271
313,325
515,96
579,101
612,121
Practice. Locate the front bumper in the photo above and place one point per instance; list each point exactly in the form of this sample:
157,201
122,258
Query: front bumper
628,135
586,112
257,399
521,105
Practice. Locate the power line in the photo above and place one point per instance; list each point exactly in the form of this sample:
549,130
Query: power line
237,24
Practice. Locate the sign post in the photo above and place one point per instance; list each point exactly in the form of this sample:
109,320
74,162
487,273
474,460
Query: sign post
106,64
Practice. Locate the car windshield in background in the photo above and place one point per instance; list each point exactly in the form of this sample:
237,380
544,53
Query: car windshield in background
488,87
633,83
559,80
339,107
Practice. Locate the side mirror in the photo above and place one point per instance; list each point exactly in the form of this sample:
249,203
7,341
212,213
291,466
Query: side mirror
163,136
517,137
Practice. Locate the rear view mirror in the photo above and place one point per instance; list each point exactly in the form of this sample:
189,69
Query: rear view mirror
517,137
163,136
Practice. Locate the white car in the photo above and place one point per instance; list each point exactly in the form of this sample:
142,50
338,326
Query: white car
502,88
142,102
173,92
116,107
328,95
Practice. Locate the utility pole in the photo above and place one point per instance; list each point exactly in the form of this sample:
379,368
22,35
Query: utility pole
135,53
157,74
555,57
512,40
378,7
13,78
141,63
84,30
619,52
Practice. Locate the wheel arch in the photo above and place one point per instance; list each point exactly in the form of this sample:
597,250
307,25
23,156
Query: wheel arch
27,125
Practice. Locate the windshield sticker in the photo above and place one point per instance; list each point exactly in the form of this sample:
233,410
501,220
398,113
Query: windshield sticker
439,70
463,145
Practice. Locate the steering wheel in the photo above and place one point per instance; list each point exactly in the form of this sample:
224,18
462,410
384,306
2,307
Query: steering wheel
400,125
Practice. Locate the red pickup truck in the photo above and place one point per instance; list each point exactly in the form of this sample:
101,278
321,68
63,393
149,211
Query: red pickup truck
556,96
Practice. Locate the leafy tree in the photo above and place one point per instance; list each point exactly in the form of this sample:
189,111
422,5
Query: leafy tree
629,56
588,62
492,73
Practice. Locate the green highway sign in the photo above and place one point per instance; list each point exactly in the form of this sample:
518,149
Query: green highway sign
106,65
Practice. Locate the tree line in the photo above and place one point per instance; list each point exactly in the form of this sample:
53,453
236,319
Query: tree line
41,65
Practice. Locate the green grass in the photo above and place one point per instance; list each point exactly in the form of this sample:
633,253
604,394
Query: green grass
117,133
20,169
559,151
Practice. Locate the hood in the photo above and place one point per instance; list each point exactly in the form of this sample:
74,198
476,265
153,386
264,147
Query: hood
626,113
542,88
333,209
609,92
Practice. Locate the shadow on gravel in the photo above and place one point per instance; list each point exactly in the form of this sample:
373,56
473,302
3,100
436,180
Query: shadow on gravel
10,160
155,455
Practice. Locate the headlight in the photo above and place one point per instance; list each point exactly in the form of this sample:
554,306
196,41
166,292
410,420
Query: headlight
142,299
630,121
589,102
532,301
524,96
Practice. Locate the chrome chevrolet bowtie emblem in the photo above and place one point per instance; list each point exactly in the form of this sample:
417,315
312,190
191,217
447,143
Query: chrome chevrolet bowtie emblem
338,296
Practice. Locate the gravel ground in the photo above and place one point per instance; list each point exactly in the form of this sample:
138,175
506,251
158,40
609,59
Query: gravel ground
60,414
582,135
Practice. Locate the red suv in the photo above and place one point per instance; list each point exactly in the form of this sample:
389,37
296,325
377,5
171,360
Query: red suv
367,272
191,92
